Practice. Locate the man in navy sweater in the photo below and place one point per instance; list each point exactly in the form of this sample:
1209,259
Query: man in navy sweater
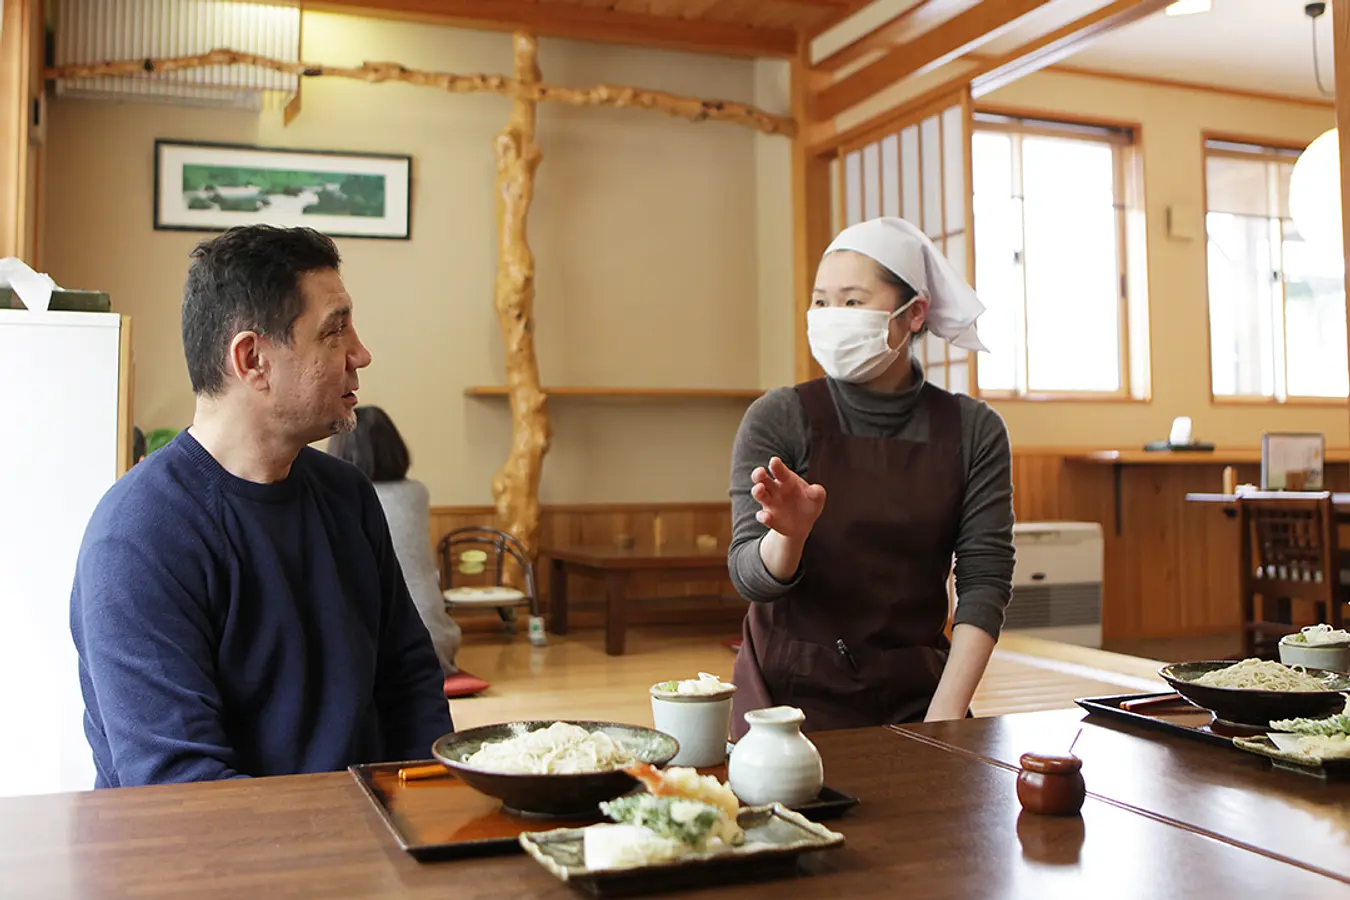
238,607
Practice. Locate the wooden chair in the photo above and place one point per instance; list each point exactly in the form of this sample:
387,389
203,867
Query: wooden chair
485,571
1289,553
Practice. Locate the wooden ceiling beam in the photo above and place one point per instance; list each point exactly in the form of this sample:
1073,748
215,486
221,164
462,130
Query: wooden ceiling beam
1029,57
1049,49
952,39
577,22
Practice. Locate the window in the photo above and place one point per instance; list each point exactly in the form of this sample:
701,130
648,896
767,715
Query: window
1276,304
1058,259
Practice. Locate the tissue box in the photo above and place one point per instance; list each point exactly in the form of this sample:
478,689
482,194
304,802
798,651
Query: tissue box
74,301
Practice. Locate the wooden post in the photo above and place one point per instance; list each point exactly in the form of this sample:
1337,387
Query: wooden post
515,487
811,224
1340,26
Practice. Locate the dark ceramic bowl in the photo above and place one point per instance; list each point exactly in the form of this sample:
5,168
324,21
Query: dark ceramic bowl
1259,708
552,795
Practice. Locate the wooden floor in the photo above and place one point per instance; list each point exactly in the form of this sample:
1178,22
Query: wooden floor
572,678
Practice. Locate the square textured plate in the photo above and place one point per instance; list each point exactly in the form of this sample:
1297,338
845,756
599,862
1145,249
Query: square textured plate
444,818
774,838
1330,769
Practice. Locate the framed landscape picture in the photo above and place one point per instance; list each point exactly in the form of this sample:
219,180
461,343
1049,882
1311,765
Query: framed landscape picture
211,187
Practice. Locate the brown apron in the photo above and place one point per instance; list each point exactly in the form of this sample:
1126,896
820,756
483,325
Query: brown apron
860,640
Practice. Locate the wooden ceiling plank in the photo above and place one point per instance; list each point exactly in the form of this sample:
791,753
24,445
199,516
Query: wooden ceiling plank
901,28
1061,44
952,39
826,22
579,22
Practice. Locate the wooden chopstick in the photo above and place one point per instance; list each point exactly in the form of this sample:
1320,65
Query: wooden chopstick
418,773
1164,700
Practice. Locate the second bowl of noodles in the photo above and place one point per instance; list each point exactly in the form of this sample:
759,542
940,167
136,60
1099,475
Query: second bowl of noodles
551,768
1254,692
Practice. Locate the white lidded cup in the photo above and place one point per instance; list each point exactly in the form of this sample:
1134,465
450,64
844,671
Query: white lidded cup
700,721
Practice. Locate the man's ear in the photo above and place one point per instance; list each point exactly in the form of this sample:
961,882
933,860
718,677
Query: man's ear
247,360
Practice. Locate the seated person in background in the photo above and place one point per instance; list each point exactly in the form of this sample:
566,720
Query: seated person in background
238,607
137,444
377,449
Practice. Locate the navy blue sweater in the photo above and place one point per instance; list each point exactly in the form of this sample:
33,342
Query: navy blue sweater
228,629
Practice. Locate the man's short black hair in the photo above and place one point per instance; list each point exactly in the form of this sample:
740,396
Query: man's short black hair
246,279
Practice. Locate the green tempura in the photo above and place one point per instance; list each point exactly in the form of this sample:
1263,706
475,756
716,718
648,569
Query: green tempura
654,814
1337,724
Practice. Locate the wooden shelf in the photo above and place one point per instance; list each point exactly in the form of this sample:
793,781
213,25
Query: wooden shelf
490,391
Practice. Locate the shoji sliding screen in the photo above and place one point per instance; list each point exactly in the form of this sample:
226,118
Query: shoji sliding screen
919,169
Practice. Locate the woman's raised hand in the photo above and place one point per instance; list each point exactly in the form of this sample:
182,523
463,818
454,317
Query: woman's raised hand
790,504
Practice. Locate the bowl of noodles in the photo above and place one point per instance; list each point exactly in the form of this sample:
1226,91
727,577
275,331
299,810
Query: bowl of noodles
1255,691
551,768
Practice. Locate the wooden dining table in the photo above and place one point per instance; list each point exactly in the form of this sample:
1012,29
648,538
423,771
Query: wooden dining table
615,566
939,817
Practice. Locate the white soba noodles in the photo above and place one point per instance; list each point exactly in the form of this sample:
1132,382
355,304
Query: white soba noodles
559,749
1261,675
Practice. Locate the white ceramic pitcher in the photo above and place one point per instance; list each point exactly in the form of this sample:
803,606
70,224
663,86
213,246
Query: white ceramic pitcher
775,762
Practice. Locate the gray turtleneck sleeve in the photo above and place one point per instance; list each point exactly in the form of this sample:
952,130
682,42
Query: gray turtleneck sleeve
775,425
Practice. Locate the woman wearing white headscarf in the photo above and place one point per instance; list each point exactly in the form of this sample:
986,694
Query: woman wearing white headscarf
852,493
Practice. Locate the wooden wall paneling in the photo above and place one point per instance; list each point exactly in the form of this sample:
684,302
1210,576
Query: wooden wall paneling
1037,487
1171,570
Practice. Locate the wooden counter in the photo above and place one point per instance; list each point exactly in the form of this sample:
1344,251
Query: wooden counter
1226,456
1170,566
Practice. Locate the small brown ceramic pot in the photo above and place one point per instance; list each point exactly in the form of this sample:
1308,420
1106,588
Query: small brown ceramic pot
1051,785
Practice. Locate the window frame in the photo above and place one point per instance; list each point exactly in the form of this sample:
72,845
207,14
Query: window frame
1126,139
1267,150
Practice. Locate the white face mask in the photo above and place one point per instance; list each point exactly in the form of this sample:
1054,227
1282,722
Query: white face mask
853,344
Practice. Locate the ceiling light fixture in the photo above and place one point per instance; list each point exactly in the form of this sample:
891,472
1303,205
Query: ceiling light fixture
1188,7
1315,183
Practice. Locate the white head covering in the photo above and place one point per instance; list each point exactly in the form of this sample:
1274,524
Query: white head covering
908,253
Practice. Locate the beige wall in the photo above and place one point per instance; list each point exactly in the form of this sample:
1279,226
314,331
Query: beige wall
646,230
664,252
1172,121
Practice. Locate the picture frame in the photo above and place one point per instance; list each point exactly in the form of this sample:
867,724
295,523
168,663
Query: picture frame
203,186
1292,461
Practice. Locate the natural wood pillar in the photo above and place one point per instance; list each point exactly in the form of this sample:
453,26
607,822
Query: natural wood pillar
515,488
1340,26
811,225
21,44
611,95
